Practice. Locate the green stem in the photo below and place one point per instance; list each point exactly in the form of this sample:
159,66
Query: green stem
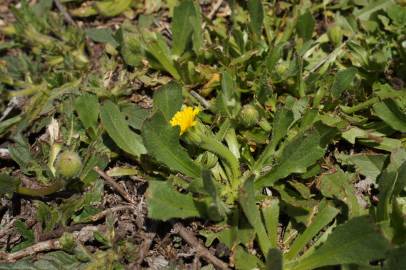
40,192
360,106
364,105
212,145
264,157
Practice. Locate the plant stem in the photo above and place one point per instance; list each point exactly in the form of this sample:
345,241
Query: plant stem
40,192
212,145
364,105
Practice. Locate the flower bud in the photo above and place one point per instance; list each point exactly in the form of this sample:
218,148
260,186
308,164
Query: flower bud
207,160
249,115
282,68
335,34
68,164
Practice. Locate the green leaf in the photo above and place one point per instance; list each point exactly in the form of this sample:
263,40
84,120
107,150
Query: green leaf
135,115
249,207
20,153
391,182
226,100
370,165
26,233
88,175
342,81
102,35
117,127
325,215
281,123
338,185
88,109
373,139
274,259
305,25
111,8
165,203
246,261
373,6
185,22
389,111
358,241
47,216
161,53
8,184
220,208
168,99
303,151
256,13
162,142
270,212
396,258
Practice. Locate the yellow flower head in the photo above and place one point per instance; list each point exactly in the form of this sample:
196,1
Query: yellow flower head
185,118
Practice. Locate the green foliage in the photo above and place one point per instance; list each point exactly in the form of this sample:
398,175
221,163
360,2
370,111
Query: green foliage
186,27
356,242
295,161
168,99
117,128
165,203
162,142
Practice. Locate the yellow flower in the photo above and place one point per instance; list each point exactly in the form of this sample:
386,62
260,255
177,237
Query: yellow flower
185,118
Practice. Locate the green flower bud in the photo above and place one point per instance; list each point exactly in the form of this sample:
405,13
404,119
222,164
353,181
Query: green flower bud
282,68
335,34
68,164
207,160
249,115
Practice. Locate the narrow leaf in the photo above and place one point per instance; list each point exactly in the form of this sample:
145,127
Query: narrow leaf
165,203
256,12
249,207
87,106
299,154
162,142
342,81
323,217
168,99
356,242
8,184
338,185
186,20
305,25
270,212
117,128
389,111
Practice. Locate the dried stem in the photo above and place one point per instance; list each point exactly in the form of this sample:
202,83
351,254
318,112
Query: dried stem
32,250
115,185
200,249
65,14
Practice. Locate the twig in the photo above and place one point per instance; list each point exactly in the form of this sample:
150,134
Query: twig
213,12
65,14
216,7
104,213
201,99
145,247
200,249
32,250
115,185
13,103
59,232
